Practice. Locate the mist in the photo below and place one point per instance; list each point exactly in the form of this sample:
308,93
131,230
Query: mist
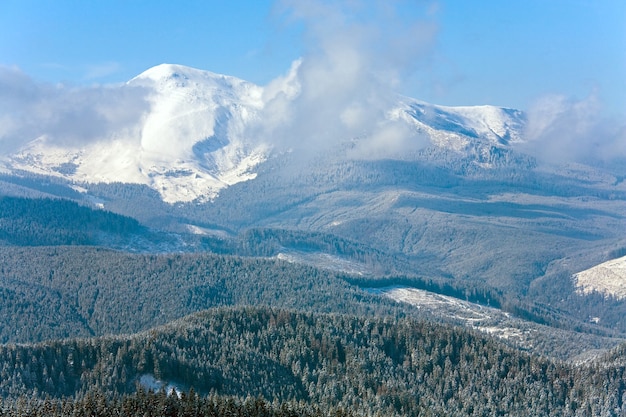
561,129
356,54
65,115
357,57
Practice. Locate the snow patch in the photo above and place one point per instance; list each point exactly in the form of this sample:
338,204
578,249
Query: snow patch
203,231
608,278
485,319
149,382
324,260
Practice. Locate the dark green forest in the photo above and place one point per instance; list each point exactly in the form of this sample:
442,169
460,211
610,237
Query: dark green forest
76,291
244,333
45,221
325,363
57,292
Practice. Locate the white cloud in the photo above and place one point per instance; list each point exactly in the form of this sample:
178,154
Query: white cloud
355,54
66,115
562,129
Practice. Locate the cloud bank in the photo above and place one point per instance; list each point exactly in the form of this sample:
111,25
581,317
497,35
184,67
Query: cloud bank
67,116
356,53
561,129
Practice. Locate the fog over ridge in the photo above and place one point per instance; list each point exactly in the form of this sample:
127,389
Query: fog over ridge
358,56
66,116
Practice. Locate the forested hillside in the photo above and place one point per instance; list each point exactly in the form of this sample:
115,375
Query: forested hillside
56,292
69,291
367,365
40,222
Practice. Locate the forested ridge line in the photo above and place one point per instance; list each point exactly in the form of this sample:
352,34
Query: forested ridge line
77,291
159,404
59,292
46,221
366,365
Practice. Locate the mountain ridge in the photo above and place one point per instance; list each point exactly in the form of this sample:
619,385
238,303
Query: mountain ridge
466,207
193,141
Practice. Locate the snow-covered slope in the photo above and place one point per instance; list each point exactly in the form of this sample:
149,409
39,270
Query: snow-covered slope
188,146
608,278
459,127
191,142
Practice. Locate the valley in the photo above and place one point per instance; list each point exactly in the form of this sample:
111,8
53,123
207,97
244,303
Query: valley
521,334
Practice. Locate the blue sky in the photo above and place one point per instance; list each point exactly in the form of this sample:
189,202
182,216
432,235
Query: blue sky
508,53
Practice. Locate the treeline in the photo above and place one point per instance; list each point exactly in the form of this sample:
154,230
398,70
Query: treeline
40,222
365,365
34,184
160,404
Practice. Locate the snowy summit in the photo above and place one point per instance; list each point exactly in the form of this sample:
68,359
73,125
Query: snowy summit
187,146
192,140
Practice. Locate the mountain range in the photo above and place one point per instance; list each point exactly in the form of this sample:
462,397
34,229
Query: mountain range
195,139
275,250
455,195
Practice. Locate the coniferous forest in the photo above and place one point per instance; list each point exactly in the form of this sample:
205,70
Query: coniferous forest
91,331
323,241
264,361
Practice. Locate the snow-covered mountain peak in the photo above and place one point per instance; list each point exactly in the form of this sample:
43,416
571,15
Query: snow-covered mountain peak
499,126
192,137
180,75
167,77
188,145
166,71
